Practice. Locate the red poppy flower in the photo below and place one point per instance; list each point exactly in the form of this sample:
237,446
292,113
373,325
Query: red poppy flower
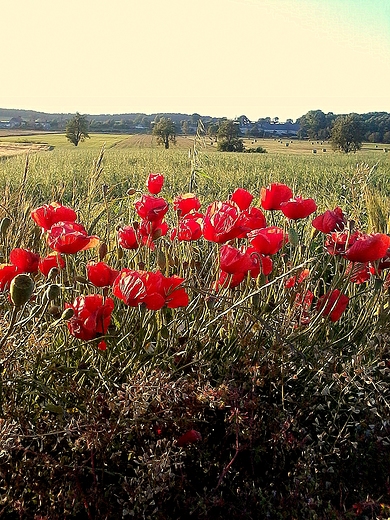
227,280
189,227
358,273
263,263
155,182
298,208
92,316
69,238
296,280
242,198
100,274
186,203
127,237
151,208
189,438
337,242
222,222
233,260
7,274
53,259
175,296
48,214
368,248
129,287
152,289
25,260
304,300
331,220
333,304
149,231
250,219
267,241
274,195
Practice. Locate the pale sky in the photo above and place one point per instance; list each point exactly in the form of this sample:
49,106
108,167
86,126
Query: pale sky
276,58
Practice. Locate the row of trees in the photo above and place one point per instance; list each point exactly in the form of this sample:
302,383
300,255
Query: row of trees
375,126
346,132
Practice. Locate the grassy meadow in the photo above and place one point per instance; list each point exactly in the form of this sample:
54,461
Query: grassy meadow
249,400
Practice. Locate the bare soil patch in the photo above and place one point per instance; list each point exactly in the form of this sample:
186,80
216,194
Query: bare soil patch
11,149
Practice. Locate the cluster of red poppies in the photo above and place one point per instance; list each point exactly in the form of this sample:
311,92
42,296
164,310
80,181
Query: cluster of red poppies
247,246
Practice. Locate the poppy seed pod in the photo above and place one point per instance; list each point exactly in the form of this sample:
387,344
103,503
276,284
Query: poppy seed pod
21,289
4,225
67,314
52,292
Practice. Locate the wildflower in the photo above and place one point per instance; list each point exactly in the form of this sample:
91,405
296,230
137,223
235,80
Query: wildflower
154,290
274,195
189,437
358,273
333,304
242,198
127,237
51,260
149,231
25,260
222,222
154,183
250,219
267,241
337,242
92,316
330,220
151,208
296,280
7,274
49,214
69,238
100,274
298,208
189,227
368,248
233,260
226,280
186,203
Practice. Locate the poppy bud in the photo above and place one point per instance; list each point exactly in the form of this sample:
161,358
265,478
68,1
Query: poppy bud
52,292
4,225
21,289
102,251
53,273
81,279
161,260
67,314
54,310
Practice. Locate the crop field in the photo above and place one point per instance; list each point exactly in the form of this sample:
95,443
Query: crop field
186,333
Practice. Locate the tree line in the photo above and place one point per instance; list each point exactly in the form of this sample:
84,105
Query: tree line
375,126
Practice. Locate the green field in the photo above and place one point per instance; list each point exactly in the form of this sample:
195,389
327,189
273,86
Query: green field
329,176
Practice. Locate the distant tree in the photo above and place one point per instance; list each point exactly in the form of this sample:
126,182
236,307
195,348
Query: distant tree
212,130
228,140
165,131
185,127
347,133
77,129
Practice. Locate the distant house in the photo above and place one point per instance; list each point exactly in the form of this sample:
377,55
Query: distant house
290,129
270,129
15,122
